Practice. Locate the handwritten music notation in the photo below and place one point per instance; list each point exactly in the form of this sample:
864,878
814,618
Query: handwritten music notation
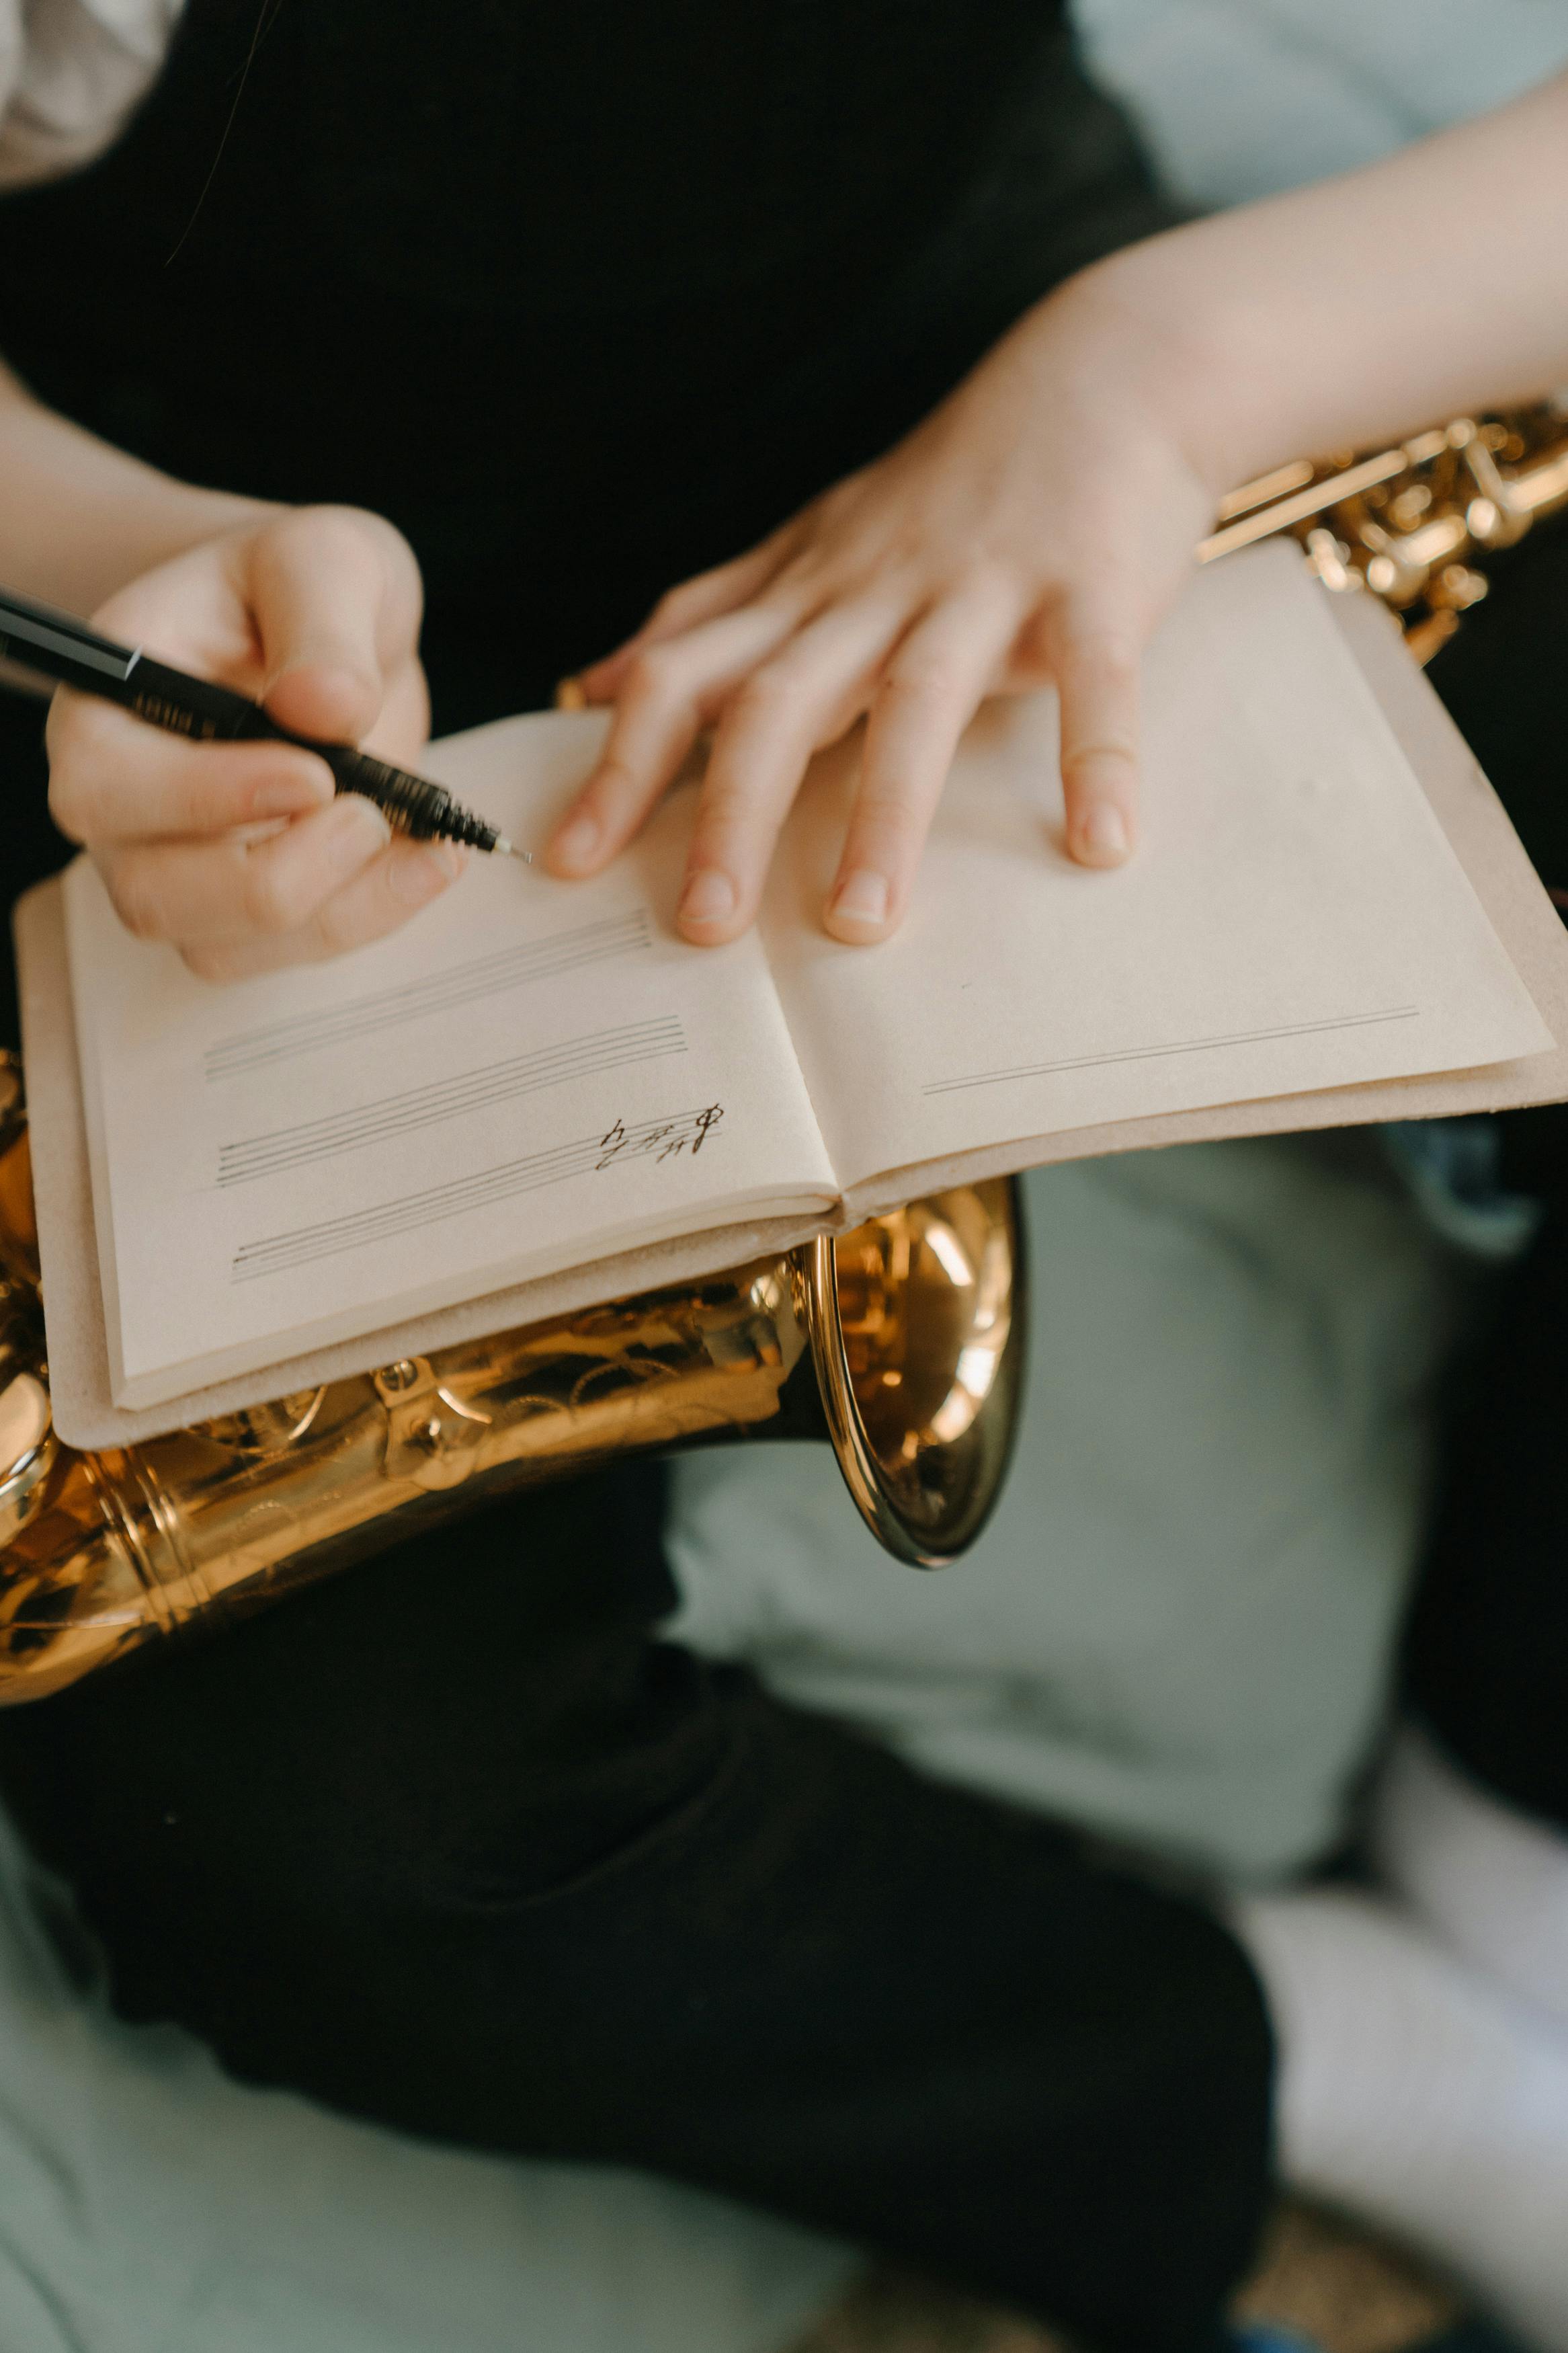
307,1141
661,1140
677,1134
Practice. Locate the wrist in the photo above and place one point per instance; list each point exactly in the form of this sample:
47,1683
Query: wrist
80,520
156,522
1179,357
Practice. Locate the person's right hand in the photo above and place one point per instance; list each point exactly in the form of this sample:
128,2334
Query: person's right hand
240,854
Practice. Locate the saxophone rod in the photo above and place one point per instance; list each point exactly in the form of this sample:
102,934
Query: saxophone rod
1284,513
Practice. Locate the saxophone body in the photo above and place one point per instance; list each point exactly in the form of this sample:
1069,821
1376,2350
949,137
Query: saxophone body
902,1343
1413,523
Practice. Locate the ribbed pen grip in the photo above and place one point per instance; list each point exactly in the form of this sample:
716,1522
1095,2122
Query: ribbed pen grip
413,803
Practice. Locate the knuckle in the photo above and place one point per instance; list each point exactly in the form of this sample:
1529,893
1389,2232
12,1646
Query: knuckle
134,895
726,807
1078,757
76,796
351,541
676,602
649,676
1115,665
324,936
927,674
197,803
1106,655
762,700
331,526
727,814
71,805
338,926
804,582
886,801
885,825
211,964
616,783
90,729
270,897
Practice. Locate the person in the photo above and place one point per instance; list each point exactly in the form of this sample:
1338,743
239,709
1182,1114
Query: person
871,331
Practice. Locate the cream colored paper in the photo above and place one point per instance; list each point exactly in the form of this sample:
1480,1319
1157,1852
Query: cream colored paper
529,1076
1295,919
1241,668
1473,822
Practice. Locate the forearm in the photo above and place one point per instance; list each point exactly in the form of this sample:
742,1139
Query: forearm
1364,307
79,519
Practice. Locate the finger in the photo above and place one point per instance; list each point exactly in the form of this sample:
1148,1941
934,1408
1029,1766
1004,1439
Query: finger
805,697
243,888
1094,656
665,697
336,599
114,778
406,876
922,706
704,597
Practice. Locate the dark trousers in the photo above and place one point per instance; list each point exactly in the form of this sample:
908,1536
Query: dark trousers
449,1841
1486,1649
1488,1644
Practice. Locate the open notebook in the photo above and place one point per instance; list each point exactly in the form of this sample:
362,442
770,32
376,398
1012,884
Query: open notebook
536,1081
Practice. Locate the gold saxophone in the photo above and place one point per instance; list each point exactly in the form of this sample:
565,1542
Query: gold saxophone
1411,522
902,1343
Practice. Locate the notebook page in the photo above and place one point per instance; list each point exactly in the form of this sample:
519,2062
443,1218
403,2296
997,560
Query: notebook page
1295,918
529,1075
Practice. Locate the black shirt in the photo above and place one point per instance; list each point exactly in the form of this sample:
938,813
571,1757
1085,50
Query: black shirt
584,297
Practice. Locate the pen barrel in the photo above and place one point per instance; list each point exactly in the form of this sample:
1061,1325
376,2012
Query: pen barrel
208,714
58,646
194,707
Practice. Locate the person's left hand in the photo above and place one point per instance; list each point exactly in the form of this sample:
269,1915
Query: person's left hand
1031,530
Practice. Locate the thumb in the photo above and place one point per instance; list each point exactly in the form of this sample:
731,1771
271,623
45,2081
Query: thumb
335,597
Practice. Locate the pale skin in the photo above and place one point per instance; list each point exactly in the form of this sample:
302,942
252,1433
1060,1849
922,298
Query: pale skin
1033,528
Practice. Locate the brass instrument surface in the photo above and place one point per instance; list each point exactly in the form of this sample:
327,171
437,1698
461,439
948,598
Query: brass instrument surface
902,1342
1411,522
921,1366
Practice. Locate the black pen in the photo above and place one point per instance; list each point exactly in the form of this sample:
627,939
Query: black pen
65,648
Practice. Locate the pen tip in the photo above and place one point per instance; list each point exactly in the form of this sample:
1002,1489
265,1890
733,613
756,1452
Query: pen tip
509,849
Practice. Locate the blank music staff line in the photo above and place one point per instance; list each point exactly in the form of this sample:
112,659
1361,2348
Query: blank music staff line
678,1132
1160,1053
460,984
336,1133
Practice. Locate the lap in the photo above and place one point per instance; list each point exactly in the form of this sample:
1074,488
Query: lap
453,1842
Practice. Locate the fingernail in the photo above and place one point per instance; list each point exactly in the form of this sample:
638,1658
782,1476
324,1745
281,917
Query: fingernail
862,897
1104,830
357,820
709,897
448,859
577,840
